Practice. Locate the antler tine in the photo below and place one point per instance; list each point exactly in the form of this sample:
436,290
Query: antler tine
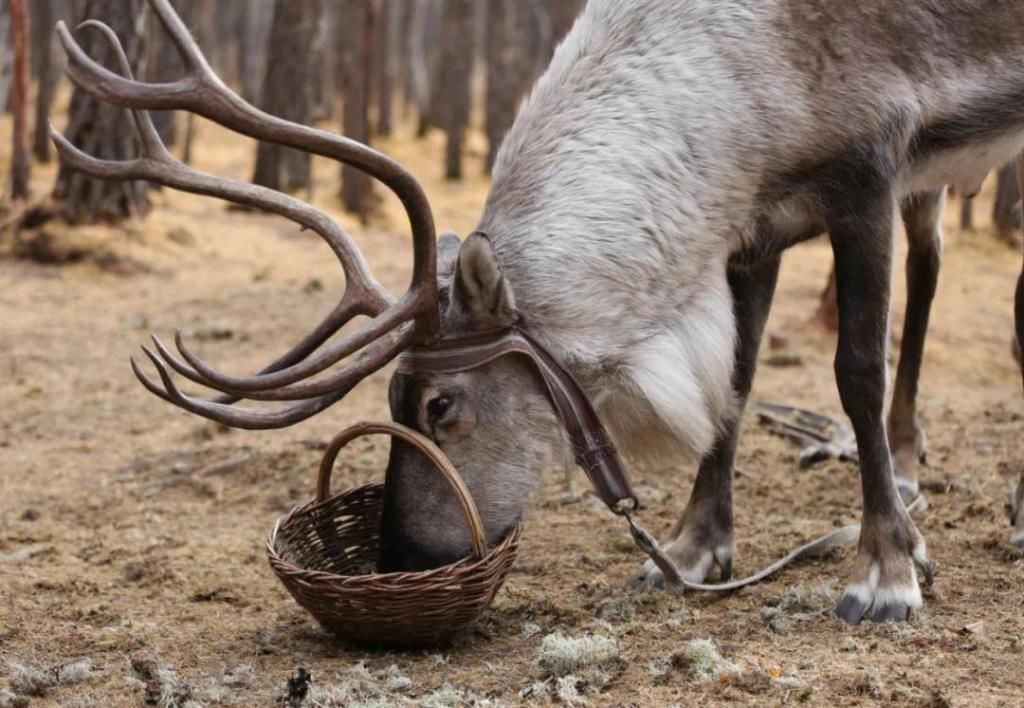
148,135
226,414
202,92
307,389
279,418
158,165
212,409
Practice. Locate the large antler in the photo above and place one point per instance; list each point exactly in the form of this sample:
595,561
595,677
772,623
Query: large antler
395,325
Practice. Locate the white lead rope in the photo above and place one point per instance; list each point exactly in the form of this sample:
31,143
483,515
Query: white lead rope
674,581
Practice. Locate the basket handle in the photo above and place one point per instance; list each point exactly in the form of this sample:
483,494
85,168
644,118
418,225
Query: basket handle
424,445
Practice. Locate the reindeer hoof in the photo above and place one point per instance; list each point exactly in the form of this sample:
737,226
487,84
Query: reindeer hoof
885,586
893,604
695,567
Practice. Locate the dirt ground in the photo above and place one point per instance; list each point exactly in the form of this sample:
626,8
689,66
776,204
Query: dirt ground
131,534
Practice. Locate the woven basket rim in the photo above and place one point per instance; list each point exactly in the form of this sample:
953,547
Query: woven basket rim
452,571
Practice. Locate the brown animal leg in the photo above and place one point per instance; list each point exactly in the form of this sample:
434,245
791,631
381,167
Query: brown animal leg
922,214
883,584
702,539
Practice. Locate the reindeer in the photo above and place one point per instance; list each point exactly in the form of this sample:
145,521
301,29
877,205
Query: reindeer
639,209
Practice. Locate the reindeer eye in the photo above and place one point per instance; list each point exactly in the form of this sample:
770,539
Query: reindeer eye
437,407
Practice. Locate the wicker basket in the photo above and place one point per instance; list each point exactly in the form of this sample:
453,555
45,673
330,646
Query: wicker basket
325,552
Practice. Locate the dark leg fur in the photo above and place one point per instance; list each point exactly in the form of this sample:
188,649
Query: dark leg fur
921,216
1018,533
702,538
884,582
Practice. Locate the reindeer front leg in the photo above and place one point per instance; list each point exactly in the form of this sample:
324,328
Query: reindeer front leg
884,583
702,539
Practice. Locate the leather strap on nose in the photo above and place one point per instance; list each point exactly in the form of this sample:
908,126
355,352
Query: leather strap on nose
591,444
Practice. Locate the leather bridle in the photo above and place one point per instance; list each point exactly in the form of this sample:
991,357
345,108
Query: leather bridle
592,445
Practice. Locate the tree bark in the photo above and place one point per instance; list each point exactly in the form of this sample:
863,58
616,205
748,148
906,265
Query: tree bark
385,64
325,65
256,23
403,52
452,102
102,130
357,20
20,165
424,58
1006,209
5,56
509,72
50,61
288,92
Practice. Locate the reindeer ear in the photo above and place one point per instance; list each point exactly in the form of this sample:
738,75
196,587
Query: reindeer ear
480,285
447,253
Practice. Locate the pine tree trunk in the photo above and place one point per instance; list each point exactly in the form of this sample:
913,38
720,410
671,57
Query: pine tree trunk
508,69
48,72
1006,210
227,18
102,130
324,64
452,102
20,165
424,59
402,53
357,20
288,92
5,55
385,64
256,23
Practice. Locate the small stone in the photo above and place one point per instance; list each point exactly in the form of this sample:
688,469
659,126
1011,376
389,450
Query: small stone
133,572
778,340
181,236
973,628
30,514
212,333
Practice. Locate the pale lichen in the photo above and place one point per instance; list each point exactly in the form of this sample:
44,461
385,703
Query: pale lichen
560,655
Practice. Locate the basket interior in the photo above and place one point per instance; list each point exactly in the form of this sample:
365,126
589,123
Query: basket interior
340,536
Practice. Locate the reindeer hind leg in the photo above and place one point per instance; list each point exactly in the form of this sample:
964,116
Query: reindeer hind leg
1017,501
922,215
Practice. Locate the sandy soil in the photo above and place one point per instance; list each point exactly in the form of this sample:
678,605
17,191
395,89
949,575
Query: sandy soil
131,533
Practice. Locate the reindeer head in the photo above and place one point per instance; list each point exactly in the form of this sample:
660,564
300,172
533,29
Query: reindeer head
494,422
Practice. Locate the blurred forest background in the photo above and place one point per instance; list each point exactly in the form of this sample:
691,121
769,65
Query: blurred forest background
359,67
